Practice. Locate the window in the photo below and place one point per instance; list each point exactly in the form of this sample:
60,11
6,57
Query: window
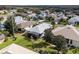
68,45
71,42
67,40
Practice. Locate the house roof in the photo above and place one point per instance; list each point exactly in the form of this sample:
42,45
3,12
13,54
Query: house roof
16,49
18,19
23,23
26,24
40,28
68,32
74,19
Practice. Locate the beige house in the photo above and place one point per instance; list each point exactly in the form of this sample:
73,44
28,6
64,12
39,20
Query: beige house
16,49
70,33
25,24
22,24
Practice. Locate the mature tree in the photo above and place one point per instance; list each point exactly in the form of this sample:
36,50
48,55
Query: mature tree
49,19
48,35
22,10
60,43
63,22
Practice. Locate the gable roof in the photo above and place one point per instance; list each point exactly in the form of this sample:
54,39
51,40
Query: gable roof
26,24
40,28
18,19
68,32
16,49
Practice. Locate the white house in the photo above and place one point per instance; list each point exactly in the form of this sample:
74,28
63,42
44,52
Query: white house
68,32
16,49
18,19
39,29
73,20
59,17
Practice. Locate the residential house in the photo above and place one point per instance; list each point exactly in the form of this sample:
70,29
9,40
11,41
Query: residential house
23,24
18,19
39,29
74,20
60,16
16,49
70,33
3,12
54,15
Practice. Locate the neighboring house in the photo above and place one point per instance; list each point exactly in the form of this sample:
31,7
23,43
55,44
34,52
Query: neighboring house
70,33
26,25
16,49
2,38
54,15
57,20
38,30
23,24
18,19
73,20
3,11
13,11
60,17
32,15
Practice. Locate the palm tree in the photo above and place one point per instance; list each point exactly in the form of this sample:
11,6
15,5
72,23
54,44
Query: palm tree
11,26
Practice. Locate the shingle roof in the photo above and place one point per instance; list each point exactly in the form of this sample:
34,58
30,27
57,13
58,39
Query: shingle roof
18,19
68,32
74,19
40,28
16,49
25,24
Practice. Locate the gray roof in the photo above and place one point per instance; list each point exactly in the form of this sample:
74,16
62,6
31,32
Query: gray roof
73,20
40,28
18,19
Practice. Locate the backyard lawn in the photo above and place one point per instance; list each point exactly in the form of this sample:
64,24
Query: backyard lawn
73,51
35,45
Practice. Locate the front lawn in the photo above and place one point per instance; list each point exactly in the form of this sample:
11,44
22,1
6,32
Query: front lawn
35,45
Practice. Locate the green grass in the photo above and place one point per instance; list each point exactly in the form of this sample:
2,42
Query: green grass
73,51
25,42
20,40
